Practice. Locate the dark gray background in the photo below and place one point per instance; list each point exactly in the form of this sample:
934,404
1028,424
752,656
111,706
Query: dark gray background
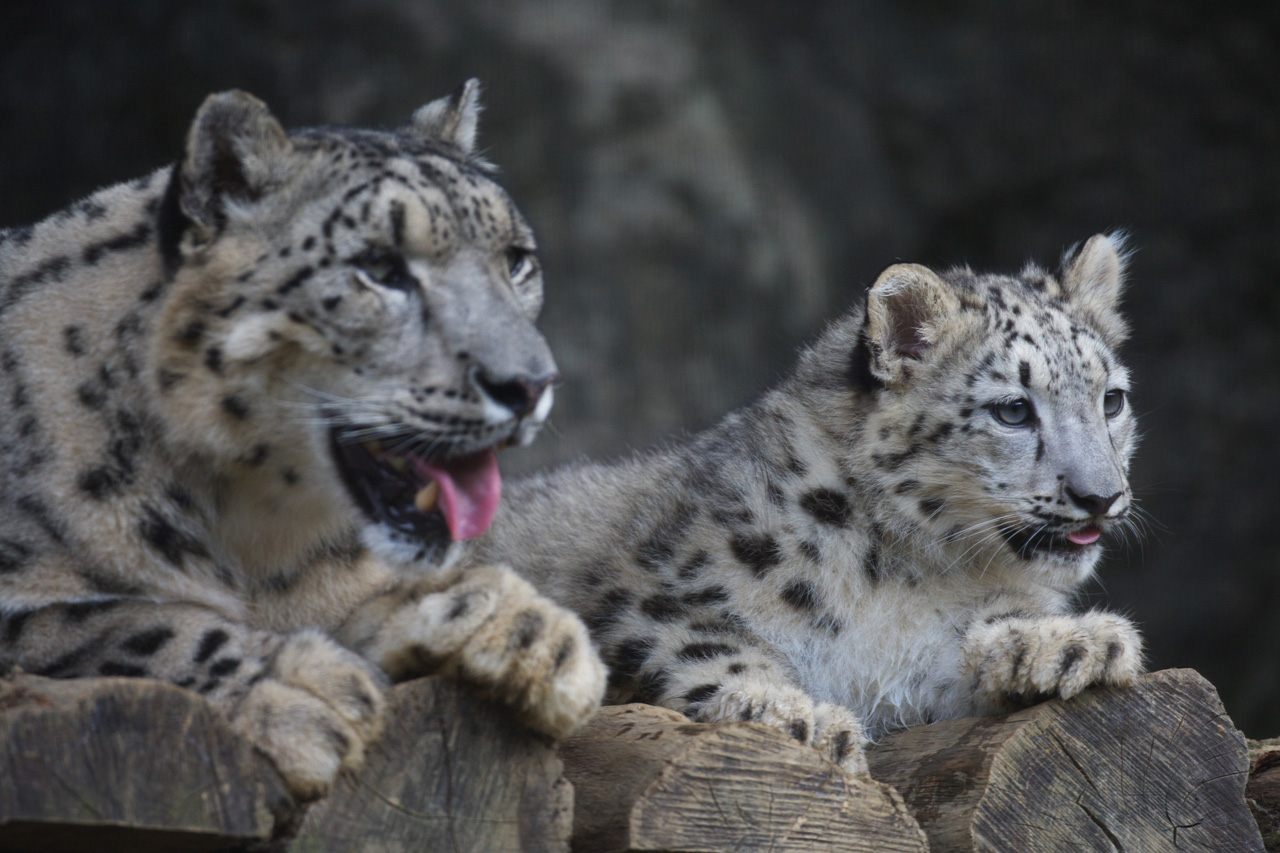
713,180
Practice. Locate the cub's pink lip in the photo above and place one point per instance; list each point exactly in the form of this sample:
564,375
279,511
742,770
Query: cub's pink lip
1085,535
1033,542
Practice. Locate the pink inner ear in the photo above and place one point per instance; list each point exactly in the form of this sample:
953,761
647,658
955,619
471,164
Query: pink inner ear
908,336
907,314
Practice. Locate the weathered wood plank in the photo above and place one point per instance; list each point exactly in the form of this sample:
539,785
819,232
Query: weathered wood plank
451,772
140,765
127,764
647,779
1263,789
1158,766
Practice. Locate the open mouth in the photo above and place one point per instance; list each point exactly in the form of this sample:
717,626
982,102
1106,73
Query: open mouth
1032,543
436,499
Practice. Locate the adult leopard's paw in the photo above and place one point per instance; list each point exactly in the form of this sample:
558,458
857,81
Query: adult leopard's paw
833,730
534,655
1023,660
491,629
317,708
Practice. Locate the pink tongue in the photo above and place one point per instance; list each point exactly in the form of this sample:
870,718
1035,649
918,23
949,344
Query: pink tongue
1085,536
469,492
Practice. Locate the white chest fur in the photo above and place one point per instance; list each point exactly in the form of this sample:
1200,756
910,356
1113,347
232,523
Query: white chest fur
895,655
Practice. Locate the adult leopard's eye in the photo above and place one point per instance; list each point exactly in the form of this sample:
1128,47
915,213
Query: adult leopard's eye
1113,402
1013,412
519,263
386,268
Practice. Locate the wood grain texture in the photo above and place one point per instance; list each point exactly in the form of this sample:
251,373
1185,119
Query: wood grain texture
1158,766
129,764
451,773
1263,789
138,765
647,779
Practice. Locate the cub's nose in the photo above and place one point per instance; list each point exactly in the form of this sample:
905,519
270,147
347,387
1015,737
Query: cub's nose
518,394
1093,504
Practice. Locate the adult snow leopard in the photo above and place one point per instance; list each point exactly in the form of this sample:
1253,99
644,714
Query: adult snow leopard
891,536
252,406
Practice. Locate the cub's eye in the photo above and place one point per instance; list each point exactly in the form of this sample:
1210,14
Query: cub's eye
520,263
1113,402
385,268
1013,412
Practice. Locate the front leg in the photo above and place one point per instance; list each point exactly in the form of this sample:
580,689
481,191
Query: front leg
1021,659
493,630
309,704
717,671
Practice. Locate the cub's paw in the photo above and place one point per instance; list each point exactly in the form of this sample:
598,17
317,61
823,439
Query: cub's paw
313,713
1024,660
833,730
838,734
493,630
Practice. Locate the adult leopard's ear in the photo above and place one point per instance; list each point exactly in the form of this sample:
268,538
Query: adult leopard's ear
1092,277
235,149
906,309
452,119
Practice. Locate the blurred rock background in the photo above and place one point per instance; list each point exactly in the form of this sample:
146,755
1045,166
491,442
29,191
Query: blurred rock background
711,181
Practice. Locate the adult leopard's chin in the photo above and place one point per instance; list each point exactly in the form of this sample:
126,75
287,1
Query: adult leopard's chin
409,556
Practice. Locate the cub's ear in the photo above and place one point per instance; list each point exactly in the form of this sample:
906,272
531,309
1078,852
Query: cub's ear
452,119
906,308
1092,276
234,149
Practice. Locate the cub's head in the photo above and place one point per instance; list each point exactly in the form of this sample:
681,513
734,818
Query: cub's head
349,317
999,417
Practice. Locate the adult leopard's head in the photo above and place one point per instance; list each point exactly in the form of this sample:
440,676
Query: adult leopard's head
1000,423
350,318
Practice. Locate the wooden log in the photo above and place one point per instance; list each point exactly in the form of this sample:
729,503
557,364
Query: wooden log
647,779
1158,766
140,765
1263,789
127,764
451,772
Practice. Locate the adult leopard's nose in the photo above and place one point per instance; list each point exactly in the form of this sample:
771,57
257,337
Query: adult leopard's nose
520,394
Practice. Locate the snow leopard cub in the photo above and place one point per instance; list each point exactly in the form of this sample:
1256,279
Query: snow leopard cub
891,536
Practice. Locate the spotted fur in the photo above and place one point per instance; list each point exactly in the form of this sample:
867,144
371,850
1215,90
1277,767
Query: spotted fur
880,540
180,357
